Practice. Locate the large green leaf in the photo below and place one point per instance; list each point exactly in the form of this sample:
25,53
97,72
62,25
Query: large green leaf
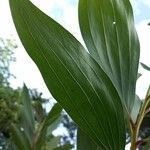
108,30
74,78
27,116
84,142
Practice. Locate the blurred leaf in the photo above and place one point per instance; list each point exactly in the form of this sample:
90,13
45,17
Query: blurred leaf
84,142
136,108
19,138
53,143
49,121
53,125
147,100
73,77
147,146
145,66
139,75
145,126
27,116
107,27
39,111
9,107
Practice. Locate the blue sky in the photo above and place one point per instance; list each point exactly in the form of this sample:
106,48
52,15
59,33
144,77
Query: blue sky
144,13
141,10
65,12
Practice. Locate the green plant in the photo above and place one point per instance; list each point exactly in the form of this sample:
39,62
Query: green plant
24,124
15,109
34,132
95,87
9,97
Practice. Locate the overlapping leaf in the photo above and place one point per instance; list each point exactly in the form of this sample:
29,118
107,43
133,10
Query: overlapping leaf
108,30
74,78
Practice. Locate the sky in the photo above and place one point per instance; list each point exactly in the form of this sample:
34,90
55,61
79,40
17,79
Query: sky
65,12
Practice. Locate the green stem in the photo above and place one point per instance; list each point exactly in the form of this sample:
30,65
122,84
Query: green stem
133,140
138,123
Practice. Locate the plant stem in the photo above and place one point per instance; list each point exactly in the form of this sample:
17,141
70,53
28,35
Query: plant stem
137,125
133,140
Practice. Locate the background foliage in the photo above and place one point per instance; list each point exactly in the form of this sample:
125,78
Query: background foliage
13,117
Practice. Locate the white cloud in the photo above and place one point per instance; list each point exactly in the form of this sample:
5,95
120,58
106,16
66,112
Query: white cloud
144,35
147,2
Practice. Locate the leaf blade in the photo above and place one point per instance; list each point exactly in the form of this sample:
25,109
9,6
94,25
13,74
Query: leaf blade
19,139
27,116
108,30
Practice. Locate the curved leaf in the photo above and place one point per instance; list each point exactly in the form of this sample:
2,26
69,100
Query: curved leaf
147,99
139,75
145,66
74,78
27,116
108,30
148,92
